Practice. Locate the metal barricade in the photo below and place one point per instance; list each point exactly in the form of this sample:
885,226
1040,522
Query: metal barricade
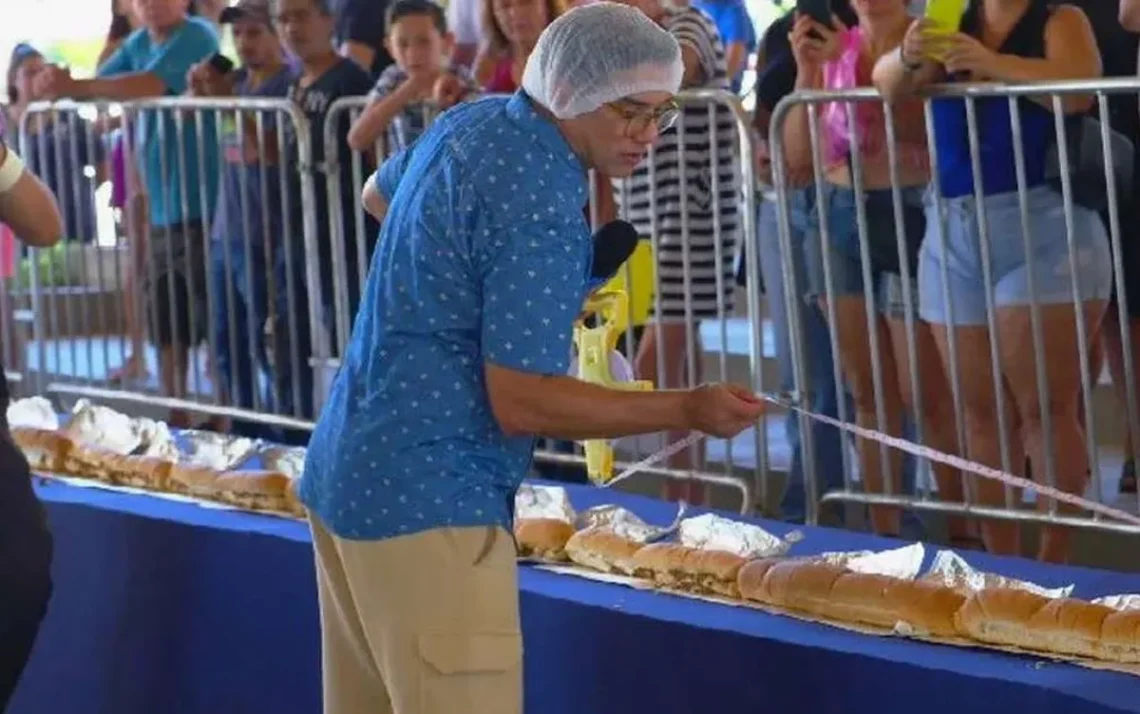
1010,407
689,204
219,202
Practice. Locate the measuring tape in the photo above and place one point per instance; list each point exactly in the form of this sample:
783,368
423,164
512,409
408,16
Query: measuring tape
904,445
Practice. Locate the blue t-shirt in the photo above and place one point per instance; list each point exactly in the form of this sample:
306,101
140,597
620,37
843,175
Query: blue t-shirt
734,25
241,205
483,257
168,155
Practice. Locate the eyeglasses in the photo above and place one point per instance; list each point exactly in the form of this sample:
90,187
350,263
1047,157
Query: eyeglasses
639,118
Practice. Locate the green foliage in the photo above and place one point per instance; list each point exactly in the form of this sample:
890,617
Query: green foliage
53,267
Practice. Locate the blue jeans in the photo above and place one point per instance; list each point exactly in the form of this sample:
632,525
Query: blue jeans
820,394
239,343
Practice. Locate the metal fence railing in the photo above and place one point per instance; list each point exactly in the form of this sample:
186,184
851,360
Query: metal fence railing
990,346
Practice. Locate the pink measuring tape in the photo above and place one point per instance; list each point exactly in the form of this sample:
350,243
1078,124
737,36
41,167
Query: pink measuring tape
904,445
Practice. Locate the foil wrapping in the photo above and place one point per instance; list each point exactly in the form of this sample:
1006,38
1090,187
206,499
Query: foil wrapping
952,570
289,460
712,532
1119,602
104,427
621,521
534,501
33,413
216,451
904,563
157,441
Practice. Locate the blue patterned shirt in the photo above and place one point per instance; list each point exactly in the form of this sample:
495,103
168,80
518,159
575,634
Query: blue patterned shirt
484,257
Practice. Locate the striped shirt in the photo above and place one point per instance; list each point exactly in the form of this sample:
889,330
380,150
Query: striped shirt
710,206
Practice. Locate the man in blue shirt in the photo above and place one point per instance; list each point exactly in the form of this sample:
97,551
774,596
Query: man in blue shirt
457,362
154,61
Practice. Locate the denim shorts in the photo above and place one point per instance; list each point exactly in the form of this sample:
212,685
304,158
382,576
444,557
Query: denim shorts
842,251
961,258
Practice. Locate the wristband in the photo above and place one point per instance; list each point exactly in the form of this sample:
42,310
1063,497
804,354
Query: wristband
10,171
908,65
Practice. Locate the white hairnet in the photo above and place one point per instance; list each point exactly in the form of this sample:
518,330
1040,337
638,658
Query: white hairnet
599,53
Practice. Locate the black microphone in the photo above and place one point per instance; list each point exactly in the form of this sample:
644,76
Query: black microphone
613,244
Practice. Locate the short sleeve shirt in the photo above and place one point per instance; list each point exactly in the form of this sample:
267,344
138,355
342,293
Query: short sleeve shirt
483,258
407,126
180,180
363,21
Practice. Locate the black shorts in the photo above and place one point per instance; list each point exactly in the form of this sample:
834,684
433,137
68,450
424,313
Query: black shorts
173,280
1129,253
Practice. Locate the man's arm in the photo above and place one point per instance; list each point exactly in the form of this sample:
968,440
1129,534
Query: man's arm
532,292
360,26
26,204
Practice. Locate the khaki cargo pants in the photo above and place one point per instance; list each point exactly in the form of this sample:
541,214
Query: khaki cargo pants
420,624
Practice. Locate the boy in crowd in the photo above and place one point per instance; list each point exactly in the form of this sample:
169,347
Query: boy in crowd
306,26
154,61
247,220
423,80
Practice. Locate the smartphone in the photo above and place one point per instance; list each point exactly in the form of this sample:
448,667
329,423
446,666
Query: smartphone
818,10
945,15
222,65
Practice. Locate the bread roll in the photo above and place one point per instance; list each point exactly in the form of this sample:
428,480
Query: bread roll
45,450
801,584
196,481
254,490
1120,637
138,471
86,461
1005,616
293,505
750,581
543,538
712,572
602,549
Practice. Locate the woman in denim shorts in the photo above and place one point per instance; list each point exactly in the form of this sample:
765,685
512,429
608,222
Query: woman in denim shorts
853,274
1065,274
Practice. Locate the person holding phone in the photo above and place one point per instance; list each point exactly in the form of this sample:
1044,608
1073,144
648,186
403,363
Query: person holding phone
844,265
1009,41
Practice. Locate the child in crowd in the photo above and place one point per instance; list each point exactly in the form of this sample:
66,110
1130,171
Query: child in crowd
422,82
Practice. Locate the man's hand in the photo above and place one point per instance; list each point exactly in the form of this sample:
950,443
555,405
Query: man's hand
54,82
722,410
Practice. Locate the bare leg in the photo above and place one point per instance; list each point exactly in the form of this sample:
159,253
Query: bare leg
853,334
983,437
937,417
1065,437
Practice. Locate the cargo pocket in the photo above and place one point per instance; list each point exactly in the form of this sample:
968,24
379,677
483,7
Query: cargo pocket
471,673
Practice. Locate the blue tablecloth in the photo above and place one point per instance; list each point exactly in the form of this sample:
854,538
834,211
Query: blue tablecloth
170,608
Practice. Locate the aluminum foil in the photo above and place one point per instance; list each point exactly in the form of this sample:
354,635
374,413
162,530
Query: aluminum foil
1119,602
713,532
104,427
216,451
623,522
533,501
903,563
289,460
951,569
157,441
33,413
